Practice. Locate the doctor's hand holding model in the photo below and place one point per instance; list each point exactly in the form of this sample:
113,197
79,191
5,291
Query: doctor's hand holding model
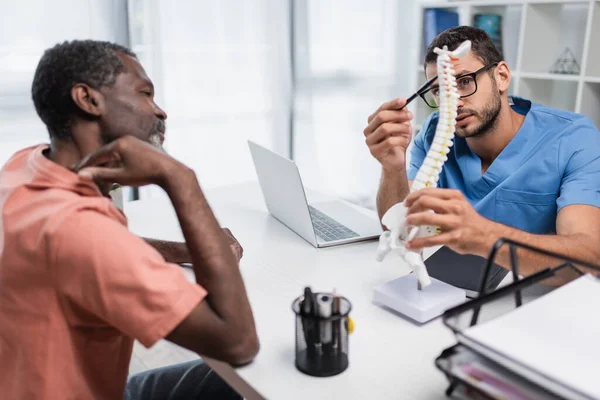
517,169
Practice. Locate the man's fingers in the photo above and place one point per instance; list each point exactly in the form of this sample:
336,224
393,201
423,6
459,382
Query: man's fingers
389,129
103,155
429,241
237,252
237,248
444,194
394,104
387,116
444,221
383,149
99,174
230,238
436,204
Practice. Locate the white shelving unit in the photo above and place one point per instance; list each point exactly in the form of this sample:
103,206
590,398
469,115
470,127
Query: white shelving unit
534,34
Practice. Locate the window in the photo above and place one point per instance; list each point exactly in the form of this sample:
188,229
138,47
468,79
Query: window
350,57
26,30
222,76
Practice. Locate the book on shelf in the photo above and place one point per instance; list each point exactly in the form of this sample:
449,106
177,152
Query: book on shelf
492,24
437,20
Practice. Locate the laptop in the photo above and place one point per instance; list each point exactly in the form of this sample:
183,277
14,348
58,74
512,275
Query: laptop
321,224
464,271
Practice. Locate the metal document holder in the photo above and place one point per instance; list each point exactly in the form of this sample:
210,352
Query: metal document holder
489,306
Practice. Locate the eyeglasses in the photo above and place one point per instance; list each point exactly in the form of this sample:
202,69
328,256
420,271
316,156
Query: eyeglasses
466,85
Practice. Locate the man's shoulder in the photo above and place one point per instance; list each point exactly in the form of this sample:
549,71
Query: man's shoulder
427,131
86,228
86,214
18,160
572,131
559,119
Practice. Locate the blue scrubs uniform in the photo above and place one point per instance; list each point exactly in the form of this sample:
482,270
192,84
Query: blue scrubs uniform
552,162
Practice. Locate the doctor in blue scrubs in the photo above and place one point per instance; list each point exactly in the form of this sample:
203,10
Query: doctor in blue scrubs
517,169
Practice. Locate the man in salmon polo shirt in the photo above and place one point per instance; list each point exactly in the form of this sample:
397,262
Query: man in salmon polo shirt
76,287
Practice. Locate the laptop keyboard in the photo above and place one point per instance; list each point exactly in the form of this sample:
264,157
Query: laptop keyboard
328,228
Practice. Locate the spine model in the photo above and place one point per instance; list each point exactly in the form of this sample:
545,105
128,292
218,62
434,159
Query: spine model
429,172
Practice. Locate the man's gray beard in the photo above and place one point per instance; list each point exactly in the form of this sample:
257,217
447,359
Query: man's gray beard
155,141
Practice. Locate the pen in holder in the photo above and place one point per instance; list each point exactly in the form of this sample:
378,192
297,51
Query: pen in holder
322,322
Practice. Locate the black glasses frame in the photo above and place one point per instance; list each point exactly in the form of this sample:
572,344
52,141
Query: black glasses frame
427,87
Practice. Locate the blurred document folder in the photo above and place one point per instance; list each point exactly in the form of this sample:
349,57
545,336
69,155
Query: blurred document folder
554,340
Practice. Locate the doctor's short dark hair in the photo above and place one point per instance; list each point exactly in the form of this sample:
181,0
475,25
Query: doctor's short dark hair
481,44
61,67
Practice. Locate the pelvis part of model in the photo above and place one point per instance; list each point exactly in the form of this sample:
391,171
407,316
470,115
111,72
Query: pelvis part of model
394,219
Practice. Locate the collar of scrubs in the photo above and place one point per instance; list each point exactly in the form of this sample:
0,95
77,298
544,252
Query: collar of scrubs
510,157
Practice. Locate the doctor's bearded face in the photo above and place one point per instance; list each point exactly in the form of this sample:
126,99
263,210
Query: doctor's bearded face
477,112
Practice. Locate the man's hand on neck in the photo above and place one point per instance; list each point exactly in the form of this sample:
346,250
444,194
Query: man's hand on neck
67,153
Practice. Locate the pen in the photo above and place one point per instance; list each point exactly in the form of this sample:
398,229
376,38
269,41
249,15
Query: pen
316,336
307,303
422,89
337,327
308,324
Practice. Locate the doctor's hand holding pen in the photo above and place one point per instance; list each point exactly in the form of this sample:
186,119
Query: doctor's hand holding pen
388,134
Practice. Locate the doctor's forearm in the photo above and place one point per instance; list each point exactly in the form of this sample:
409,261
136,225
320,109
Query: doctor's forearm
393,189
579,246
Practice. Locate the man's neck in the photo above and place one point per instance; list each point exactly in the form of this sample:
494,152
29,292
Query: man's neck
69,152
490,145
64,152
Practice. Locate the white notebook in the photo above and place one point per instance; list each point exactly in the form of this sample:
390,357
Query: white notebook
553,340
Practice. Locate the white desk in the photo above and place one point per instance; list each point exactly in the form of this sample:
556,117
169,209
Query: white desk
390,357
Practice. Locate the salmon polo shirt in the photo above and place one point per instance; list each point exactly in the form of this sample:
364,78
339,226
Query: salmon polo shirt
76,287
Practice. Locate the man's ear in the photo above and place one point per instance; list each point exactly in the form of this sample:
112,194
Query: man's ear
503,76
88,100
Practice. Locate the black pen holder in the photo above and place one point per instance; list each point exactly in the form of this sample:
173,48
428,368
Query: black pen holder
322,343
